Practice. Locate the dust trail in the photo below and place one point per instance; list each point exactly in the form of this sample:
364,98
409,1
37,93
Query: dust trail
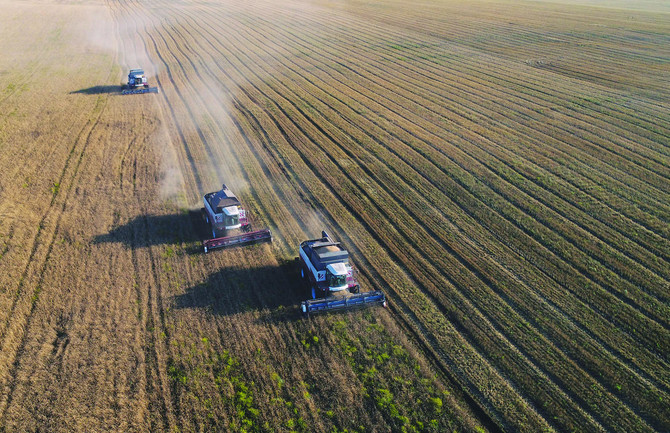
103,32
128,44
313,222
214,133
205,96
171,181
132,53
129,50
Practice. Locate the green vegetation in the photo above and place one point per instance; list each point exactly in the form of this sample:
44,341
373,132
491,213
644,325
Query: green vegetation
392,380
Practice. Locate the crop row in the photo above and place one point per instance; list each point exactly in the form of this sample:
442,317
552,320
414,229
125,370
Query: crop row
406,187
207,134
538,36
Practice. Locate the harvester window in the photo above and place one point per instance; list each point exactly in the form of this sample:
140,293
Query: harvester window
337,280
232,220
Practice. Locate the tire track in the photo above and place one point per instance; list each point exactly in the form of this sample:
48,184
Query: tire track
314,169
22,325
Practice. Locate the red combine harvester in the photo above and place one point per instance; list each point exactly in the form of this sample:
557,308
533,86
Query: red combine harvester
228,221
324,265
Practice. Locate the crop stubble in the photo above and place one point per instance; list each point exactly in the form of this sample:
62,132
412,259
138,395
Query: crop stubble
509,196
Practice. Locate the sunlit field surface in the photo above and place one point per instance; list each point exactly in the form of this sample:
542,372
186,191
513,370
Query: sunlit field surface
500,169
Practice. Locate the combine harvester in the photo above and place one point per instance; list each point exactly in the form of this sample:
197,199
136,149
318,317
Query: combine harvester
137,83
224,214
324,265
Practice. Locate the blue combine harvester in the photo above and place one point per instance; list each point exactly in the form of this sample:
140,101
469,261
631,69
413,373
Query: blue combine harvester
324,265
137,83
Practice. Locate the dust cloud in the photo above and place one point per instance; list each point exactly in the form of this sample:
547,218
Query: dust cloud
206,88
213,112
209,112
132,51
171,181
118,33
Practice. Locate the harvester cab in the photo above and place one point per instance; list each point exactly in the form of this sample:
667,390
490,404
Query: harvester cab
325,267
137,83
136,78
228,221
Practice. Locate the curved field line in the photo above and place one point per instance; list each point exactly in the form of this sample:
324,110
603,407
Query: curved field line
351,37
298,119
530,47
623,232
410,66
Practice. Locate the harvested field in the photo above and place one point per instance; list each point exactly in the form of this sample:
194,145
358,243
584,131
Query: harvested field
500,169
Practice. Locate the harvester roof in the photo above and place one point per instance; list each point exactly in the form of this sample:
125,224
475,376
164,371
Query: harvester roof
329,252
222,199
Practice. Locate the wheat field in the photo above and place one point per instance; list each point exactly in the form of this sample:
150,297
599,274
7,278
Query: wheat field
500,169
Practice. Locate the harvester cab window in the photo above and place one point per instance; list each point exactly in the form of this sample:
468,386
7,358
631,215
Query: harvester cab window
231,216
232,220
336,280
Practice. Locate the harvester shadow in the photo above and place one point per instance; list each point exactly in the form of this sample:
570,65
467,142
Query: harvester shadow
99,90
270,293
148,230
